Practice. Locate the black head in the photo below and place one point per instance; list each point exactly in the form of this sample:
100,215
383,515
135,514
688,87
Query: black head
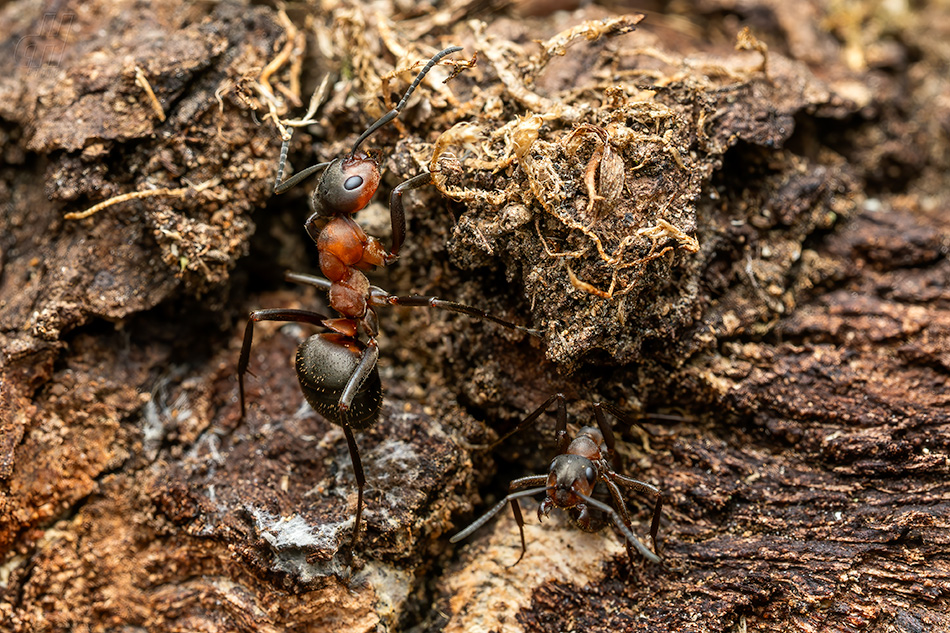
346,186
570,474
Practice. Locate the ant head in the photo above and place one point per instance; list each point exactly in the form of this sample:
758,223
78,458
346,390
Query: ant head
570,474
346,186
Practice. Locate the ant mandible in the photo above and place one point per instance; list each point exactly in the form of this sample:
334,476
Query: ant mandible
337,370
579,473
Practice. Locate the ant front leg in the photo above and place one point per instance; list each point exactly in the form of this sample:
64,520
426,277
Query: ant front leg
644,487
290,315
397,213
607,432
512,498
624,529
621,506
560,433
520,484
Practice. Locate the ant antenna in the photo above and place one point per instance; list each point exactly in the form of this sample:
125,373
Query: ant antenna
392,114
281,187
498,507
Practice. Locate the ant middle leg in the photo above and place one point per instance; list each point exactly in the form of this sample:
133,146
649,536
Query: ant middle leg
279,314
379,297
397,213
309,280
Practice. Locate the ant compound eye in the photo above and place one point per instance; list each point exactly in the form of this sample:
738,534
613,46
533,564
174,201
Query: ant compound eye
590,474
353,182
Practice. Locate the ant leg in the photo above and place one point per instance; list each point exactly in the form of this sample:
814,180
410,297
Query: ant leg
381,297
515,508
644,487
607,432
518,484
620,415
392,114
280,314
612,513
360,482
519,519
397,213
309,280
495,509
534,415
621,505
358,377
365,367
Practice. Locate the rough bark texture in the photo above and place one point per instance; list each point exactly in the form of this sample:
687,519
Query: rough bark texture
745,231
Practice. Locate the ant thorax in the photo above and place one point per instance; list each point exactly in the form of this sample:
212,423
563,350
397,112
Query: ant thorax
589,443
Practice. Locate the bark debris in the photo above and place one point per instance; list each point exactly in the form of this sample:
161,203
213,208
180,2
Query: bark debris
735,217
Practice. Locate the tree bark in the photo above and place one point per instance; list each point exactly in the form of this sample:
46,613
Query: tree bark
731,223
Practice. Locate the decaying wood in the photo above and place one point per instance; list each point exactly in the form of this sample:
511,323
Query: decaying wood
745,229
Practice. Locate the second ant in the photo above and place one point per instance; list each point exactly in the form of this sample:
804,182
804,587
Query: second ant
581,480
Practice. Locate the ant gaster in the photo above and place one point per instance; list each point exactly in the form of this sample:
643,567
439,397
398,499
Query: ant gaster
337,369
579,474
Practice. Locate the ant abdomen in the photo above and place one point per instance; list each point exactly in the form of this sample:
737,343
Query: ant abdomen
325,363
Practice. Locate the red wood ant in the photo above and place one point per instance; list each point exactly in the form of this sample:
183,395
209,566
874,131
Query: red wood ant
579,474
337,370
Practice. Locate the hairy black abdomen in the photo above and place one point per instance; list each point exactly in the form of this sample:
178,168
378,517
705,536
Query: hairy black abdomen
324,366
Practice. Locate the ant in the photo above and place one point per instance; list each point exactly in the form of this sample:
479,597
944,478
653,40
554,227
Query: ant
336,368
579,474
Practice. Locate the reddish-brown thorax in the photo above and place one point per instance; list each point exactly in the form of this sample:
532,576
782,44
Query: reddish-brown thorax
588,443
345,251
